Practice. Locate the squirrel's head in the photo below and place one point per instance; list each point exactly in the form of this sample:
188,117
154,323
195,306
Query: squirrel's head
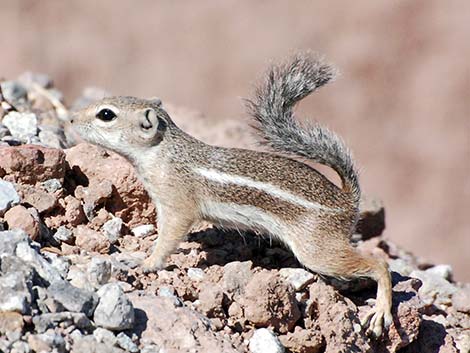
126,125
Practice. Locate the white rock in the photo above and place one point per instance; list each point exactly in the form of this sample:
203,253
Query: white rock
401,266
105,336
79,279
143,230
444,271
60,263
72,298
196,274
112,229
13,91
4,131
52,185
8,196
264,341
435,288
298,278
114,311
99,271
126,343
9,240
21,125
63,235
42,267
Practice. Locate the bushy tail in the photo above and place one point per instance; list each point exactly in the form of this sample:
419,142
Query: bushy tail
272,108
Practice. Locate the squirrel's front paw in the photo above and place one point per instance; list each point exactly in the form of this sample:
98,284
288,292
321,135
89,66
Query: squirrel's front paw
377,320
151,264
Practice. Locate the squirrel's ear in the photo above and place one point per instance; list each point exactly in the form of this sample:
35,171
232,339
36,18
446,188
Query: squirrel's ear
150,124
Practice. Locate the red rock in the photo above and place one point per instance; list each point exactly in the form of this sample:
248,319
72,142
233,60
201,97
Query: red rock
96,193
337,319
129,201
433,338
19,217
407,318
303,341
211,301
74,211
39,199
10,322
177,329
269,302
90,240
30,164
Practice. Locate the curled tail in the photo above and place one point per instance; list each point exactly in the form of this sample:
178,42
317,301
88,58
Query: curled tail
272,108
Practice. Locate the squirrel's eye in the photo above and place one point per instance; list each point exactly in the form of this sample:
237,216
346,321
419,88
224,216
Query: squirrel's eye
106,115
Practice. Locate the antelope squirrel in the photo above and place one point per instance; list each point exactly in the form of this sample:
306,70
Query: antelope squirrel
190,181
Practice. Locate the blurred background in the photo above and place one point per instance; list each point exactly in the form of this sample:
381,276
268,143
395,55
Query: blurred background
402,102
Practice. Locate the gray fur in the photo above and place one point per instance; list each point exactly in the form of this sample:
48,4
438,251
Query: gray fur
272,109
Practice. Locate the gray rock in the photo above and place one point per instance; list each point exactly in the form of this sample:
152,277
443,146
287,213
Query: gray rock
114,311
45,303
60,263
196,274
44,269
15,292
21,125
76,334
12,263
28,78
47,342
79,279
151,348
13,91
12,300
143,230
105,336
49,138
11,141
9,240
461,299
126,343
89,344
264,341
127,260
169,292
50,320
99,271
20,347
8,196
298,278
52,185
63,235
72,298
112,229
4,131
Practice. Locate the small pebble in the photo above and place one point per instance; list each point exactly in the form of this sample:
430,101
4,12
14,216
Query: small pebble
143,230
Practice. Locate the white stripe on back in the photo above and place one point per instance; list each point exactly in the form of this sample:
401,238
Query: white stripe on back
224,178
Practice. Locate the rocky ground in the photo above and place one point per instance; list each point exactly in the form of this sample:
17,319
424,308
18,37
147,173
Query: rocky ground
75,224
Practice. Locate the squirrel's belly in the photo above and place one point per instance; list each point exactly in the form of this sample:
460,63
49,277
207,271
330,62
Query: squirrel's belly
242,217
